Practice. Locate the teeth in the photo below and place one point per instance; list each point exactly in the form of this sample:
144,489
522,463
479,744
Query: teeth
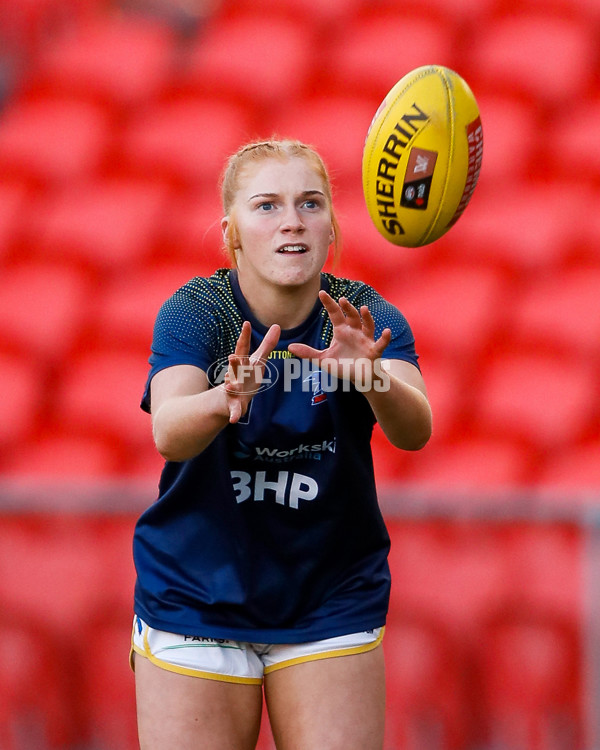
293,249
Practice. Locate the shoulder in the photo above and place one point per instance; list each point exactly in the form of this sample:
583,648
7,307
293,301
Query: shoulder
385,313
200,290
203,298
342,287
358,293
202,312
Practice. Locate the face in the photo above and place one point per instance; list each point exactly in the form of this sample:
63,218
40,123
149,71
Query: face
283,224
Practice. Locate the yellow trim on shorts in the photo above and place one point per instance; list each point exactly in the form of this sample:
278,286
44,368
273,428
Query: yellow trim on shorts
147,653
326,654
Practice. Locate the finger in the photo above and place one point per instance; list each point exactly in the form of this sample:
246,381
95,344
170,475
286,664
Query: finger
230,378
268,343
235,411
334,311
351,313
383,341
368,322
305,352
243,343
233,368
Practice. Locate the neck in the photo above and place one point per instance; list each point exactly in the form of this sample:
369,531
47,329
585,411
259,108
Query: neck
288,306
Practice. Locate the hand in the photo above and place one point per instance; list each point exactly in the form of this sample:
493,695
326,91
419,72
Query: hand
353,343
245,371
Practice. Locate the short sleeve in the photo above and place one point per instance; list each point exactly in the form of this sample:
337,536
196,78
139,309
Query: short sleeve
385,315
186,332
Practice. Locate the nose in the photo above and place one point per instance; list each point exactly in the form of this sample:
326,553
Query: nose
291,221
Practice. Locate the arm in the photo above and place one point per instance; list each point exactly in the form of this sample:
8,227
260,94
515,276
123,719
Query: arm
403,411
187,415
396,389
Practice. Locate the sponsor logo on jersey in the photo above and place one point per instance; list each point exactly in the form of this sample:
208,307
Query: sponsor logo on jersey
318,395
270,454
285,487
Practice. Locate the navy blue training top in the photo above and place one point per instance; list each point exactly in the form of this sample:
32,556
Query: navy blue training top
273,534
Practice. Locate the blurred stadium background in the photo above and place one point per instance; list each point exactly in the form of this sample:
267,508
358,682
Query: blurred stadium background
115,119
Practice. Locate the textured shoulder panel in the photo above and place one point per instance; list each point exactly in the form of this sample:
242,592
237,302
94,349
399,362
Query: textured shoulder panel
358,293
203,311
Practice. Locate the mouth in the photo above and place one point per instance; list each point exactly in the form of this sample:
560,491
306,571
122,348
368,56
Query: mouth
292,250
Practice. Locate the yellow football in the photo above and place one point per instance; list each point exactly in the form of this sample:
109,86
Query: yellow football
422,156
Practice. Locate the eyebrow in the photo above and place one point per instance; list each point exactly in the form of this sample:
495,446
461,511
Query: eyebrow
303,194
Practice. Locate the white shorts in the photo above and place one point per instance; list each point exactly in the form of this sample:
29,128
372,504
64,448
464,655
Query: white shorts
235,661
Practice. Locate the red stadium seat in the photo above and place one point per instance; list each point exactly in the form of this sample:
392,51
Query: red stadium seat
457,14
26,24
547,58
473,467
444,380
126,309
218,65
560,311
70,568
508,159
116,59
450,569
436,466
545,566
108,689
454,308
417,547
337,127
51,141
145,468
190,232
572,476
46,716
59,562
114,536
522,228
576,145
101,391
22,389
371,51
535,397
322,16
12,199
185,141
42,309
425,699
33,20
388,461
60,456
105,226
587,233
531,682
586,10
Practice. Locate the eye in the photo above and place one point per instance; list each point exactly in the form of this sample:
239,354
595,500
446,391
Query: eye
311,204
266,206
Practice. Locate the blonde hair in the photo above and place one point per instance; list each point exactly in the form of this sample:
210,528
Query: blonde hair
275,148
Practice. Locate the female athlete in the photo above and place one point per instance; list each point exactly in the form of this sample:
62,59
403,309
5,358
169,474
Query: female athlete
262,566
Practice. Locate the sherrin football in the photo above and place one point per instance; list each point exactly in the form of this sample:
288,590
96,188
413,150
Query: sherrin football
422,156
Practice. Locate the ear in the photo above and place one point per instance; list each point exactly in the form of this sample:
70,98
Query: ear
225,229
229,232
332,235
